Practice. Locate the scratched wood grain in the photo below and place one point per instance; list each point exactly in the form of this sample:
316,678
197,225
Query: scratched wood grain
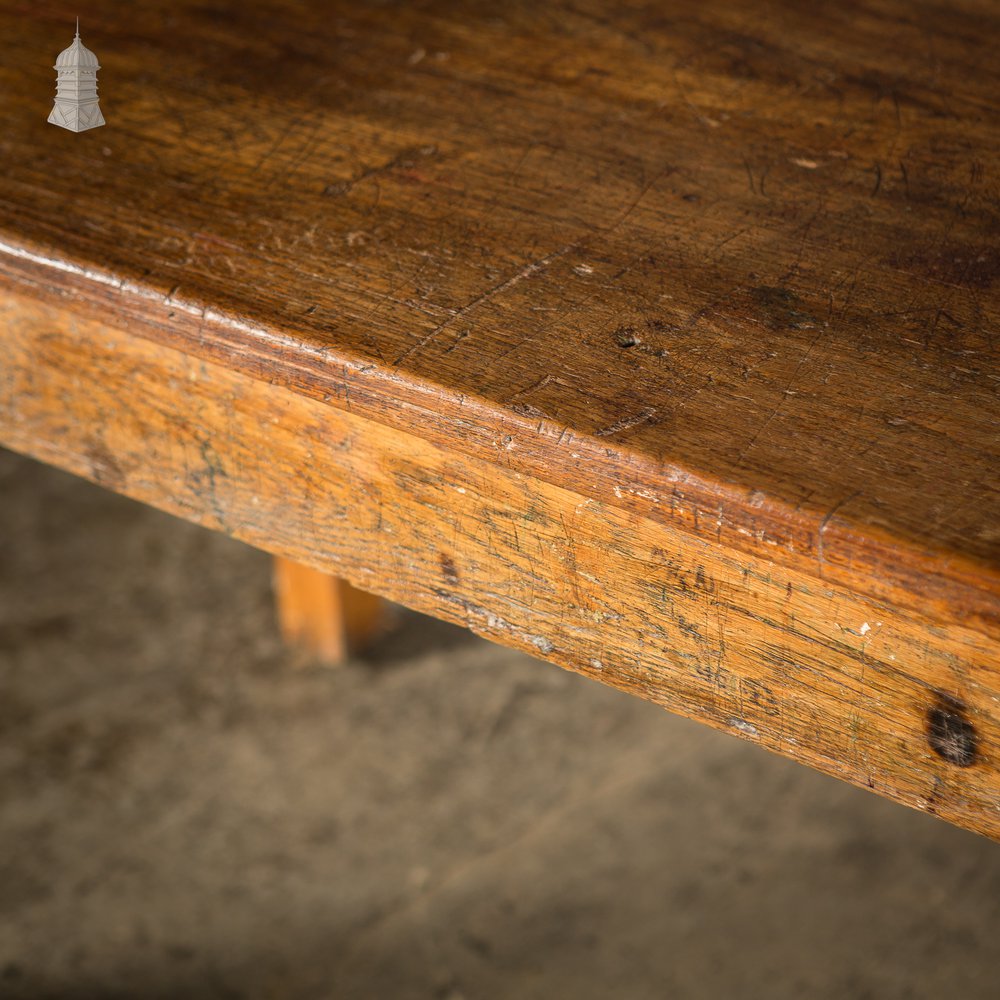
749,251
729,269
882,697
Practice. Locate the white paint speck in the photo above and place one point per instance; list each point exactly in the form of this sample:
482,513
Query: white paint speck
865,629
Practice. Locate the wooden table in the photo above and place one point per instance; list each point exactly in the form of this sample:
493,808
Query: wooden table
656,340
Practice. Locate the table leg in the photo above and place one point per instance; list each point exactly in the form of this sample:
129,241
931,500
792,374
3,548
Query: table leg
324,616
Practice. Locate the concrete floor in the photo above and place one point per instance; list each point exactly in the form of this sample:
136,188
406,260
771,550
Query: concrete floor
184,814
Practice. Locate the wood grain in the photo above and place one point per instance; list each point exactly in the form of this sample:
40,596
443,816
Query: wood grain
726,274
876,695
749,251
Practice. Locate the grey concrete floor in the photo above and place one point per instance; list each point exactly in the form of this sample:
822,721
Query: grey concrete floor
184,814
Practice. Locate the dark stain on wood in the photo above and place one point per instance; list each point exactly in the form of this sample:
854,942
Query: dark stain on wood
950,733
449,570
780,307
105,469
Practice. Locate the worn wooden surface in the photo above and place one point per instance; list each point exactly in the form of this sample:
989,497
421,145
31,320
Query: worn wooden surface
323,616
723,274
885,698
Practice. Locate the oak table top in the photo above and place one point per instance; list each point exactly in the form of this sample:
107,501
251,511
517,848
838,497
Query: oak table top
658,340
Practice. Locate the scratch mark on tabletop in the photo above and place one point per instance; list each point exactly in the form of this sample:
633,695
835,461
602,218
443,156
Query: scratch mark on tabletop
878,179
644,416
718,246
823,526
540,384
646,188
787,391
529,269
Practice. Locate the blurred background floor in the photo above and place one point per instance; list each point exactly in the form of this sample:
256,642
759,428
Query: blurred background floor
184,814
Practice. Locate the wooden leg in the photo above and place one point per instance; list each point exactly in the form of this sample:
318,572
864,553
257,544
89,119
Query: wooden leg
323,616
